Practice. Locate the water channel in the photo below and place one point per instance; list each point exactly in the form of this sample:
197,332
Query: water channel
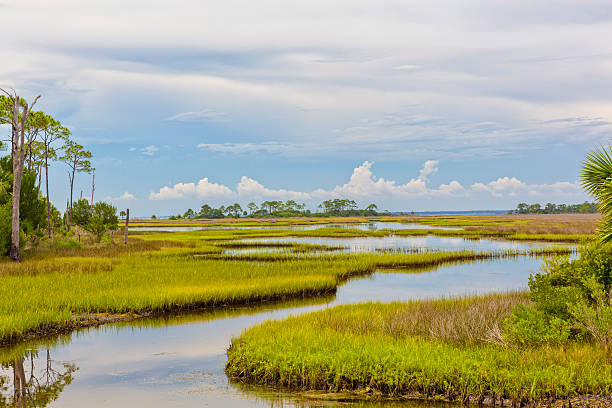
178,360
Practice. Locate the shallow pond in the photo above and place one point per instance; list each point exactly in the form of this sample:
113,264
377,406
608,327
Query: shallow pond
178,360
430,242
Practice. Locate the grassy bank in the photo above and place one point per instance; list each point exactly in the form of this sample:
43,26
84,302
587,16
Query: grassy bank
449,349
46,292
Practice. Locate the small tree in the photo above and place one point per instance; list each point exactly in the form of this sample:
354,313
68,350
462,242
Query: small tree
77,160
252,208
81,212
103,218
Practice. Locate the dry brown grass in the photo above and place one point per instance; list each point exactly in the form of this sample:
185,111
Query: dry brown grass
466,320
545,223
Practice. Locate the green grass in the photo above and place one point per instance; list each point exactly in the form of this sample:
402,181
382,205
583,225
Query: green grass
493,234
451,348
39,294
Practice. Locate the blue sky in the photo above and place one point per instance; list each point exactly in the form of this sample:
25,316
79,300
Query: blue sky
418,105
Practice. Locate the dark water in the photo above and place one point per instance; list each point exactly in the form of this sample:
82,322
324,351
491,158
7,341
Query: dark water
178,361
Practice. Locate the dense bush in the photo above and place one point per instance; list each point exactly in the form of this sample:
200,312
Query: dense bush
570,300
103,218
81,211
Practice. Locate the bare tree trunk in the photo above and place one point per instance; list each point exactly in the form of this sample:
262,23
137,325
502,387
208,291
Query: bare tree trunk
18,162
15,253
47,188
93,188
71,188
18,127
19,383
67,218
127,221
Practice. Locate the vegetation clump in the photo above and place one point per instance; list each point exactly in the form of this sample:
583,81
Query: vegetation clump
571,301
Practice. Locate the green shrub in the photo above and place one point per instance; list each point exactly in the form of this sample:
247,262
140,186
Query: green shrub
5,228
103,218
6,212
570,300
81,211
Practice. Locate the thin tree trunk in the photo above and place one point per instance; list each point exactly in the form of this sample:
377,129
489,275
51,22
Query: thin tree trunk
93,188
47,188
15,253
71,188
19,383
127,221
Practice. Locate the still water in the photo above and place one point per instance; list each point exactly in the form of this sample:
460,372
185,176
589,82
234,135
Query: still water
429,242
178,361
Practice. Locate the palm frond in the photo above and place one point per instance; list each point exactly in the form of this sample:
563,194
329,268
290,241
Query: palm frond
596,177
605,229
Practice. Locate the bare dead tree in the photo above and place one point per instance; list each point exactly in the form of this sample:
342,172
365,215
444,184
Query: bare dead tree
127,222
20,111
93,188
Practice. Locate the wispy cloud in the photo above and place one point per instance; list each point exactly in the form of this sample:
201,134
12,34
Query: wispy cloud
242,148
204,115
149,150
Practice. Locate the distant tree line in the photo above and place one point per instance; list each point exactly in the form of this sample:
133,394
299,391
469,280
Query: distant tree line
336,207
549,208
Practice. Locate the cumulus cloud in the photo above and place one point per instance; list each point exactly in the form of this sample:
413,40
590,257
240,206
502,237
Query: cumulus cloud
247,187
429,169
511,186
203,189
364,184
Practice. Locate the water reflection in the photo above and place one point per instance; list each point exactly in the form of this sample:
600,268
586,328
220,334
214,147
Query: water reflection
32,381
271,397
178,360
429,242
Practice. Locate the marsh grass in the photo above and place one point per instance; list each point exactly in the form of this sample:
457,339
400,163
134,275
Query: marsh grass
53,292
445,348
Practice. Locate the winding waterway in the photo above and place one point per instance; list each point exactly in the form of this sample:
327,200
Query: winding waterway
178,361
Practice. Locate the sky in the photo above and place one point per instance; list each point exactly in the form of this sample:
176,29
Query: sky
412,105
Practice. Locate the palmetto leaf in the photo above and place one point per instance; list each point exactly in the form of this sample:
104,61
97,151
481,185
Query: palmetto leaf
596,178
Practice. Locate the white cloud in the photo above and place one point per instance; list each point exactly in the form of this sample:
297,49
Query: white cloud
429,169
241,148
149,150
203,189
204,115
364,184
511,186
123,197
132,149
248,187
